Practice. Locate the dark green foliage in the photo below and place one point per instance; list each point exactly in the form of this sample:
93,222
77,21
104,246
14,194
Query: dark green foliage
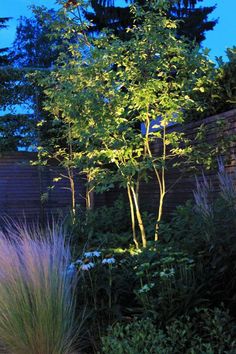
206,230
3,51
38,44
106,15
205,332
38,41
16,131
3,21
113,219
226,80
105,291
176,283
157,283
107,225
166,284
193,19
217,93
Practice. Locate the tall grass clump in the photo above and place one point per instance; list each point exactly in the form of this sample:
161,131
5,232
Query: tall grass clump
37,299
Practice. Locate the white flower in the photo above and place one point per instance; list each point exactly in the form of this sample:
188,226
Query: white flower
78,261
109,260
167,273
92,254
71,269
87,266
146,288
190,261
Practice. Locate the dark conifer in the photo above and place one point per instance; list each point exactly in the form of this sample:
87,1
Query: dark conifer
193,23
3,51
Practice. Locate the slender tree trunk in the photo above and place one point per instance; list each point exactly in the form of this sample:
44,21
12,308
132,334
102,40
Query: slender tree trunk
71,175
89,198
139,218
162,185
159,216
131,204
137,188
72,189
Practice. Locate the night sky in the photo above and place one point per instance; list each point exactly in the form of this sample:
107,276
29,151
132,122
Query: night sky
223,36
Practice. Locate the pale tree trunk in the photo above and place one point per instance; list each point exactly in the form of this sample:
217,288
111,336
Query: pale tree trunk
159,216
131,204
89,203
162,187
89,198
71,175
160,175
139,218
72,189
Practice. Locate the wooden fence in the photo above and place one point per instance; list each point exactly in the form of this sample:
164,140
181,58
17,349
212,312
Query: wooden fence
30,191
23,185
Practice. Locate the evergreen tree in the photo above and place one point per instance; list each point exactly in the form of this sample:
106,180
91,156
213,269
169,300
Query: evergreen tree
37,43
36,46
193,19
3,51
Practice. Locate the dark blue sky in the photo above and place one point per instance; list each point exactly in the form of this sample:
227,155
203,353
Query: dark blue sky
223,36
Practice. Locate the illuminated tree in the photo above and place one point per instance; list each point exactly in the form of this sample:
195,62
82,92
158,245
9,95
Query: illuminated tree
105,96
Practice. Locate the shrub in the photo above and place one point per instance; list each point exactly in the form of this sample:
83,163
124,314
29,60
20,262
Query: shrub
166,284
158,282
106,225
37,302
206,332
105,289
206,230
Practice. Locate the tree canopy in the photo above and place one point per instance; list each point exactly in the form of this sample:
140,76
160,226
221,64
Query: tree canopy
38,42
102,99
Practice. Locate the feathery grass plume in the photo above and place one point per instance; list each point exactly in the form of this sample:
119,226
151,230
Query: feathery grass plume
227,183
37,299
202,197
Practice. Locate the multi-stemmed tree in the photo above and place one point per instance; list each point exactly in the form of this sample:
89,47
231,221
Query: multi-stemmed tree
105,95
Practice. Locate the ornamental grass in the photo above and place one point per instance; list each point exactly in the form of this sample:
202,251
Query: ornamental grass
37,295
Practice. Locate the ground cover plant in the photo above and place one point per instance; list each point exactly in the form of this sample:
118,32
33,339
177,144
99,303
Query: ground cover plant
206,331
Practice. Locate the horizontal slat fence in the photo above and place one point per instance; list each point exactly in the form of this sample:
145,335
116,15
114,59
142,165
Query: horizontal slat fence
180,187
22,185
